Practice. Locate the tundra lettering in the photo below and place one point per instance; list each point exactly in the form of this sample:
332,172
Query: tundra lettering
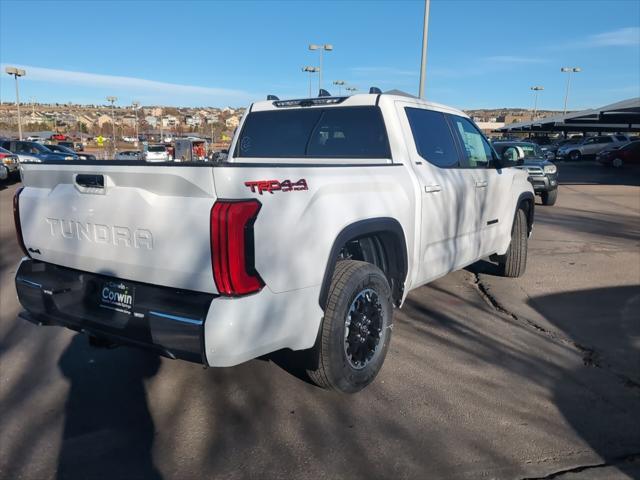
99,233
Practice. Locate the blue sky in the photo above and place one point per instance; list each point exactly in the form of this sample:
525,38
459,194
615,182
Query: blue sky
482,54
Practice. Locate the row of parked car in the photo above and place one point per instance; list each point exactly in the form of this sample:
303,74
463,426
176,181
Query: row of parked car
13,152
615,150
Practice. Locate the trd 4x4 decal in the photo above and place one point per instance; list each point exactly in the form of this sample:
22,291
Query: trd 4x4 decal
277,186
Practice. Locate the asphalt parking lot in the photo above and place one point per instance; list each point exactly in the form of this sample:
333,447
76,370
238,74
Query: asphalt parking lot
486,377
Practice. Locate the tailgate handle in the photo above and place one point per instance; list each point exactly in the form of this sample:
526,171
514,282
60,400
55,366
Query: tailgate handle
90,181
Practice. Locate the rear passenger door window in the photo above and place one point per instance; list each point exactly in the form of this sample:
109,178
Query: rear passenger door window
478,152
433,138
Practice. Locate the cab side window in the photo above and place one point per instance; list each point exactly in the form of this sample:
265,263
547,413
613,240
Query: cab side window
433,138
478,152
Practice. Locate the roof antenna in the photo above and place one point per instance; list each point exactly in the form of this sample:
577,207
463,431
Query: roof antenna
272,97
375,90
324,93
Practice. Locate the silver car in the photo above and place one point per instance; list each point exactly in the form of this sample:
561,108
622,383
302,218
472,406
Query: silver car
9,162
589,146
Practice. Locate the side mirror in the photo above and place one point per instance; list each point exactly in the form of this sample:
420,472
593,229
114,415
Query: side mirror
513,155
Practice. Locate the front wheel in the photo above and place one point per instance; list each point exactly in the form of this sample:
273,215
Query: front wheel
574,155
356,328
514,263
549,198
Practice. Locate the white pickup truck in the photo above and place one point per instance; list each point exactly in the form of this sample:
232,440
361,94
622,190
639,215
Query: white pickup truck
325,214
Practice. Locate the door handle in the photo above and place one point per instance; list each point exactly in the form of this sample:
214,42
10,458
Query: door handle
481,184
90,181
432,188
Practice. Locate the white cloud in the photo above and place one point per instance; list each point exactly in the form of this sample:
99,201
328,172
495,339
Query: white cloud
623,37
137,86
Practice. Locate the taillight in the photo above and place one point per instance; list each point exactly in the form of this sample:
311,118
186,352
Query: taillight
16,220
232,249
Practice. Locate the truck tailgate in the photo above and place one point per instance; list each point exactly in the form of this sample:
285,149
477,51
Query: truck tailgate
143,223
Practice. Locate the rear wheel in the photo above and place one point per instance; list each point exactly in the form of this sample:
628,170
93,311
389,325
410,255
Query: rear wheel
574,155
356,328
514,263
549,198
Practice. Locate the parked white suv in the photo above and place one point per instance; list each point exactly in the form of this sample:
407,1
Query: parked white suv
157,153
326,213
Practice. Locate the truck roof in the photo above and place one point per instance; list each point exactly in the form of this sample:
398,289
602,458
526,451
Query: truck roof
361,99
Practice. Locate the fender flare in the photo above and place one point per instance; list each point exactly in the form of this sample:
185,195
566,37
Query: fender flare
359,229
530,214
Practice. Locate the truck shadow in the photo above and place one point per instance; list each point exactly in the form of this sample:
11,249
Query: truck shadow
108,430
601,399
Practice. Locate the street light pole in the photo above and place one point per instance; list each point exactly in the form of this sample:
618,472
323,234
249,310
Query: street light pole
113,121
311,71
569,71
328,47
351,89
340,84
535,101
17,72
135,104
425,36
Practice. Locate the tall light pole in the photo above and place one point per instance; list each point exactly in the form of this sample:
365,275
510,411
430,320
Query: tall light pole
326,47
340,84
17,72
135,105
569,71
311,71
113,100
535,89
351,89
425,36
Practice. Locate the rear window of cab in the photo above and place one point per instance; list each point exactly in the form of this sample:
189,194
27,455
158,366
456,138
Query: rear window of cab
338,132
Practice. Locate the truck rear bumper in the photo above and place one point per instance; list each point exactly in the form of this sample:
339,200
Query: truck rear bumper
166,320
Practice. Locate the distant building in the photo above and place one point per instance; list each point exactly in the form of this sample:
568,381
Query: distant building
232,122
103,119
129,121
488,127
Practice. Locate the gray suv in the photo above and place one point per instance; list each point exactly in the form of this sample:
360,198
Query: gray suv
589,146
34,152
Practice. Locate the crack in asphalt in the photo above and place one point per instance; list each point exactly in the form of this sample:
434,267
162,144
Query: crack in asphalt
632,458
590,356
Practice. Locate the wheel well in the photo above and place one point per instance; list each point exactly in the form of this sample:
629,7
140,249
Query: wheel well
384,247
527,205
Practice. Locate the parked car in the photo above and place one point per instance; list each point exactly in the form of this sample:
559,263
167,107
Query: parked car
157,153
75,146
59,148
35,138
628,154
34,152
589,146
543,174
129,155
58,136
9,161
326,214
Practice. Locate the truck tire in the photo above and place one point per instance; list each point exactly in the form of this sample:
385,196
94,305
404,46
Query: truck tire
549,198
356,329
514,263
